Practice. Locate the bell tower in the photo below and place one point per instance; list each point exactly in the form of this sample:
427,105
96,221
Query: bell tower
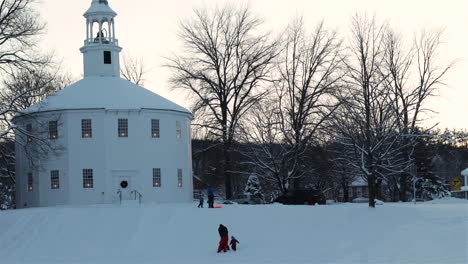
101,49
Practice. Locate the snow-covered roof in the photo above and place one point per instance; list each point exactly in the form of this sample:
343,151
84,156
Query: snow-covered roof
359,181
464,172
105,92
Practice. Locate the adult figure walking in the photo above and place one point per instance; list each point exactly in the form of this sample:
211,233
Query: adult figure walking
210,197
224,234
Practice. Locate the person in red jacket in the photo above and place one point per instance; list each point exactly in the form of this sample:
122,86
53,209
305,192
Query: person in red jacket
233,243
224,234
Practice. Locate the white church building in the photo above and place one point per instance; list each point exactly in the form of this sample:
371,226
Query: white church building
104,138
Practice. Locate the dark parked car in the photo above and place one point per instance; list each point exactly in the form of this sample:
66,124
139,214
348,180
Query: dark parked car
302,197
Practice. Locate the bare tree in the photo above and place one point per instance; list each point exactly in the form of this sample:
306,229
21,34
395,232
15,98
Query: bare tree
20,26
26,87
309,73
266,149
133,69
21,90
226,58
343,169
366,121
414,75
282,129
29,86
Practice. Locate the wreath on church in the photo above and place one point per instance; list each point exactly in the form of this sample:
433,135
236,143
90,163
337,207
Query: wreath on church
124,184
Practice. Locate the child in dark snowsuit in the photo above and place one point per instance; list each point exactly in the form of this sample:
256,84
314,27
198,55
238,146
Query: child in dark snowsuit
223,243
201,198
233,243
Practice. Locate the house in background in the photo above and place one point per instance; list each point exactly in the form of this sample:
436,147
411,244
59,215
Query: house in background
357,189
463,192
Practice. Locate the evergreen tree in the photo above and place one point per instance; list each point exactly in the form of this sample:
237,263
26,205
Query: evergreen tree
428,185
253,188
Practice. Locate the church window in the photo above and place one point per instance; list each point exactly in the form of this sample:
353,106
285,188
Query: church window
107,57
30,182
54,179
155,128
179,178
123,127
29,131
88,178
53,130
86,129
156,177
178,130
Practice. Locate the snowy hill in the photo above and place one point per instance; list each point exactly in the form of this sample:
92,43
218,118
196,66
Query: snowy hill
181,233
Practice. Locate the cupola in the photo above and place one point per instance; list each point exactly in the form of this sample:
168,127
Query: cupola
101,48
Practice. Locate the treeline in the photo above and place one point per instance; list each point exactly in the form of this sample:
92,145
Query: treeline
309,96
439,158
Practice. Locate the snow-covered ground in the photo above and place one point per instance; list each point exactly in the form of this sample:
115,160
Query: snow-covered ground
432,232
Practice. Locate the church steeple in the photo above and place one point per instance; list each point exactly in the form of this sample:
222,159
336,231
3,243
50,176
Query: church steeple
101,47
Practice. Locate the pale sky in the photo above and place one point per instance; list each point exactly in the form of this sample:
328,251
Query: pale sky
147,29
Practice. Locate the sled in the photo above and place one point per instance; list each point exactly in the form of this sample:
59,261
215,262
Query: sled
217,207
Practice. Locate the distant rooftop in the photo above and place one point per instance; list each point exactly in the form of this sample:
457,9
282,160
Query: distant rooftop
359,181
464,172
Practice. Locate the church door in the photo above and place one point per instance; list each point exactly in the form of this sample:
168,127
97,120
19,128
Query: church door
125,187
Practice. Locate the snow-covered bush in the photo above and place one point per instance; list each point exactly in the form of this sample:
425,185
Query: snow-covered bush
378,202
253,188
432,189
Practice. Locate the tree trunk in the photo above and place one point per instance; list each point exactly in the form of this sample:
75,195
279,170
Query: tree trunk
371,181
403,186
371,186
227,172
345,190
378,187
395,191
404,175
